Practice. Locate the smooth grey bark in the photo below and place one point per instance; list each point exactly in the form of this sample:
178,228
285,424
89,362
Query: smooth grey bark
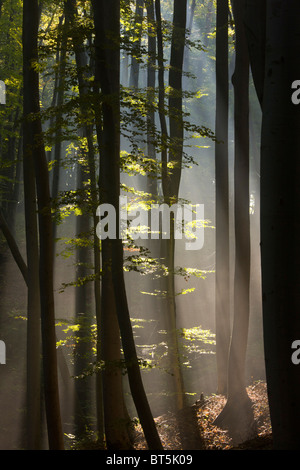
151,80
171,184
86,221
135,66
13,204
31,107
237,414
10,239
275,32
222,299
161,86
33,301
107,28
109,386
58,100
34,363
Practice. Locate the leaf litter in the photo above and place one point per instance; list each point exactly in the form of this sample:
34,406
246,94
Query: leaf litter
193,428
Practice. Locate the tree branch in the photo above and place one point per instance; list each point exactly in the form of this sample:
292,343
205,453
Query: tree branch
13,247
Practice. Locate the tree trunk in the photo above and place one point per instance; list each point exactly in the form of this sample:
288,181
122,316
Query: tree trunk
151,180
161,88
31,107
83,314
59,92
135,67
108,74
237,414
171,183
10,239
222,198
280,225
33,298
255,27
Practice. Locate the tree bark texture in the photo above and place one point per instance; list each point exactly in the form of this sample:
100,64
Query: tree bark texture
222,304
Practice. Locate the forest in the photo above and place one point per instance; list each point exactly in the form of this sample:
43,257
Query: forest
149,223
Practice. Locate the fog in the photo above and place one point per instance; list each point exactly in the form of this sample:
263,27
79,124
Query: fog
194,283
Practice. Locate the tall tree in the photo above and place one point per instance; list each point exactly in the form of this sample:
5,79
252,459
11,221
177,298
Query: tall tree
107,28
171,180
222,304
86,173
32,111
58,101
274,73
237,413
151,79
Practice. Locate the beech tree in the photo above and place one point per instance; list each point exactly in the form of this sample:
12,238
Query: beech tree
107,28
172,153
237,413
222,197
39,168
133,359
275,68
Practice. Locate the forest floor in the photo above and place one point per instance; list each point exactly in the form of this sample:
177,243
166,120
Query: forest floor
177,432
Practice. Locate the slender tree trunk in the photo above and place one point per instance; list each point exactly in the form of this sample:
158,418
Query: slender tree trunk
33,300
59,93
255,27
13,247
175,98
109,382
83,350
171,185
135,67
152,180
280,227
108,74
13,204
31,106
240,79
161,89
33,293
83,387
190,20
222,304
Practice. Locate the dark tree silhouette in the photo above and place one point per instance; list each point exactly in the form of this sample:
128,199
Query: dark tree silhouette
40,169
237,414
222,197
